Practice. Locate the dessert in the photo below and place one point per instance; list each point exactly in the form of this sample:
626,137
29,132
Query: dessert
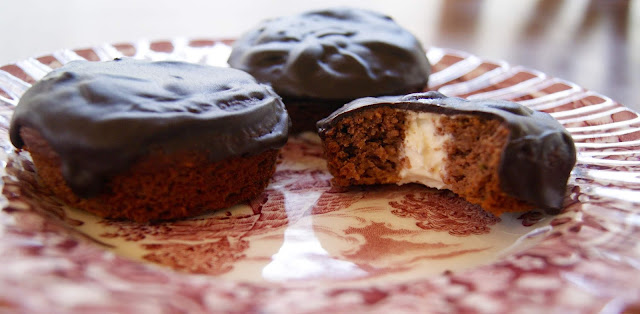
497,154
320,60
145,140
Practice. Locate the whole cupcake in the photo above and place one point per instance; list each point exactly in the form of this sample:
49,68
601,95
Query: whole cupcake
320,60
140,140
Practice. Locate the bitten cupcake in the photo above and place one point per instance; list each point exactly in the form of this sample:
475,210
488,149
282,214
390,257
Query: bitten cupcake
320,60
141,140
498,154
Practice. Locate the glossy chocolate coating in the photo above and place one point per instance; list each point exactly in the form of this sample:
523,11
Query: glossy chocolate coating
537,159
99,116
333,54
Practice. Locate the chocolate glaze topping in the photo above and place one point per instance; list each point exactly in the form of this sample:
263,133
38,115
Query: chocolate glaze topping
536,161
333,54
100,116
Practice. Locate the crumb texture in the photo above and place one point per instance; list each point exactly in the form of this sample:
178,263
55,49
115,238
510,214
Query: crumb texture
474,157
367,148
364,148
160,185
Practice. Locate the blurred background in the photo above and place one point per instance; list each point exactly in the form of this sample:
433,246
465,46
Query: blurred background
594,43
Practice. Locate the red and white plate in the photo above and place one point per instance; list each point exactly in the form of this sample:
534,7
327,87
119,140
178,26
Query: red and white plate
305,247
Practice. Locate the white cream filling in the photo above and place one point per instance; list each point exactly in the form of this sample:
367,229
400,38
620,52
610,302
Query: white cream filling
423,153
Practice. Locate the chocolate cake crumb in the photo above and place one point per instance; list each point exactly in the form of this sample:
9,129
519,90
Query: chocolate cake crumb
364,149
473,164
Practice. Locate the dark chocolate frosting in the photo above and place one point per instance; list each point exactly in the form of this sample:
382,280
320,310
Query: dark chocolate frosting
333,54
100,116
537,159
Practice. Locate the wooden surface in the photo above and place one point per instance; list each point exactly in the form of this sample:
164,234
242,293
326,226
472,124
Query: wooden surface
595,44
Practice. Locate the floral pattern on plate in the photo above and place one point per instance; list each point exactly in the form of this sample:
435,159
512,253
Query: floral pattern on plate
303,246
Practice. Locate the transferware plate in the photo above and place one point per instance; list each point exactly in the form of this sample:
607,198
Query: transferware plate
303,246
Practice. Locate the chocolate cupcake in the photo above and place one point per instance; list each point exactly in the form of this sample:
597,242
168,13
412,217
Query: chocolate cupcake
320,60
140,140
497,154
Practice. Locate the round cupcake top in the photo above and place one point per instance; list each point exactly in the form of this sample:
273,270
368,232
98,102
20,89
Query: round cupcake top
100,116
537,158
333,54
